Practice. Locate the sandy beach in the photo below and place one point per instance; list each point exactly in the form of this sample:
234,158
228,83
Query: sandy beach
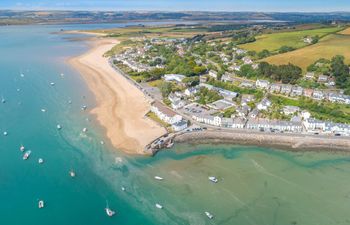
121,107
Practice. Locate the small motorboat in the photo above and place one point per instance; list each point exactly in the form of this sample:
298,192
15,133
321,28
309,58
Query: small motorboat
22,75
41,204
72,173
22,148
5,133
52,84
158,178
26,155
213,179
40,161
123,189
3,100
102,142
43,110
70,102
84,107
109,211
85,130
159,206
209,215
59,127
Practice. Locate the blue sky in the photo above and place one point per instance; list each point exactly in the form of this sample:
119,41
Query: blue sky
179,5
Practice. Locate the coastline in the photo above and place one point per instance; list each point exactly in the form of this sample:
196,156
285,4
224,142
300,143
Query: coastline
120,106
121,109
287,142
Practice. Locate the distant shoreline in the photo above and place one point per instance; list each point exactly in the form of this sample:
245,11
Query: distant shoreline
290,142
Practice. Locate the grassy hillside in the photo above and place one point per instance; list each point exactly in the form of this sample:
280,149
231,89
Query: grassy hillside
334,44
274,41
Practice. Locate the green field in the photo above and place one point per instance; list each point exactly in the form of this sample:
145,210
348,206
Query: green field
152,32
334,44
274,41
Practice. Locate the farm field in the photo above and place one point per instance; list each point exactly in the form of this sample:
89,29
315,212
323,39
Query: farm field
334,44
274,41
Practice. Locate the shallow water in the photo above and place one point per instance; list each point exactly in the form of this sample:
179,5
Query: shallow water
256,185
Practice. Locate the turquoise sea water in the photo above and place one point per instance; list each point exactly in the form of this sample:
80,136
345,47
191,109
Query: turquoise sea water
256,185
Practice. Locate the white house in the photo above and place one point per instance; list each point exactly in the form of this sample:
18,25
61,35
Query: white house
288,109
181,125
174,77
247,60
238,123
280,125
262,84
297,91
165,114
213,74
312,125
206,119
264,104
286,89
191,91
247,84
318,95
275,88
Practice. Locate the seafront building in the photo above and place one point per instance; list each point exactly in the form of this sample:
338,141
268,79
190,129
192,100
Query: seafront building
169,116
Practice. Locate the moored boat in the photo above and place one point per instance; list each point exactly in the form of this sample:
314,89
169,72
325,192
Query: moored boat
41,204
213,179
22,148
72,173
159,206
59,127
40,161
109,211
26,155
209,215
158,178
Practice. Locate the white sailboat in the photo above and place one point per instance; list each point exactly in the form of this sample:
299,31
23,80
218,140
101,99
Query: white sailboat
158,178
209,215
41,204
26,155
109,211
159,206
72,173
213,179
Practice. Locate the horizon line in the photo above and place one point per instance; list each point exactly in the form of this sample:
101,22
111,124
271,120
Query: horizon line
167,11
